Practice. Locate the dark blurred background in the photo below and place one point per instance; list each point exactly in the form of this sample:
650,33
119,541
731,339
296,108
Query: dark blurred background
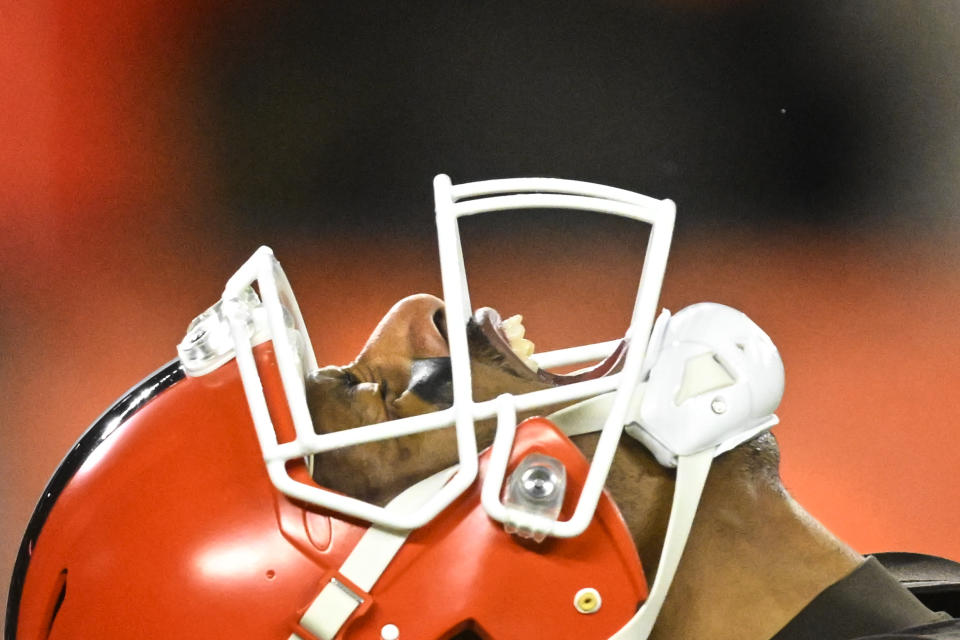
147,148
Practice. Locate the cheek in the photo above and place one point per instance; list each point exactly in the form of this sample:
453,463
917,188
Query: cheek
369,411
407,459
434,451
410,404
489,382
340,411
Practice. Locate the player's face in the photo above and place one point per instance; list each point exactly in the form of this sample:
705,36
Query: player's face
404,370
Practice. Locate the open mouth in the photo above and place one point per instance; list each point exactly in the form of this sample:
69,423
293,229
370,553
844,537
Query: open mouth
486,331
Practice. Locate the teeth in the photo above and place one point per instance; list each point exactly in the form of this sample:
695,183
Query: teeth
514,330
522,347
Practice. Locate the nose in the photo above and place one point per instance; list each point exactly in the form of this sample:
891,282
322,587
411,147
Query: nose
409,331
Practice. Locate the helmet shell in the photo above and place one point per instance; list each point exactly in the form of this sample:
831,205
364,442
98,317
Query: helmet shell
162,522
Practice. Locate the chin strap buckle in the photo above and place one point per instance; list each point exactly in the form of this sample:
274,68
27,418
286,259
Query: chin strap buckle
346,593
338,601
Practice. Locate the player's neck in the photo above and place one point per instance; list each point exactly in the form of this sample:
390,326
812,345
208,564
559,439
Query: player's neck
755,558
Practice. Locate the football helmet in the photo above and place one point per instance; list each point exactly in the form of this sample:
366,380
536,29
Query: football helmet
189,508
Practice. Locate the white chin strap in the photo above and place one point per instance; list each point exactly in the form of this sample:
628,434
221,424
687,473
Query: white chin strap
692,473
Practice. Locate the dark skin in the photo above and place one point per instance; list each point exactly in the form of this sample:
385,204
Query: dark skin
754,558
376,387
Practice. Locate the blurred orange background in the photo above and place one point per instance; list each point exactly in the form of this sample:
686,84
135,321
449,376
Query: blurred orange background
119,222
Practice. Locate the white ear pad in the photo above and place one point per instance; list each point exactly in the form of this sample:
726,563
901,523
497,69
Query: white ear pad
715,382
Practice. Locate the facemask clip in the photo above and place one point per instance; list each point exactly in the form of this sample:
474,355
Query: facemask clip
536,488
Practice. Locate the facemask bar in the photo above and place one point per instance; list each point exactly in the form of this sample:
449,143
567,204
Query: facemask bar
294,353
280,304
453,202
